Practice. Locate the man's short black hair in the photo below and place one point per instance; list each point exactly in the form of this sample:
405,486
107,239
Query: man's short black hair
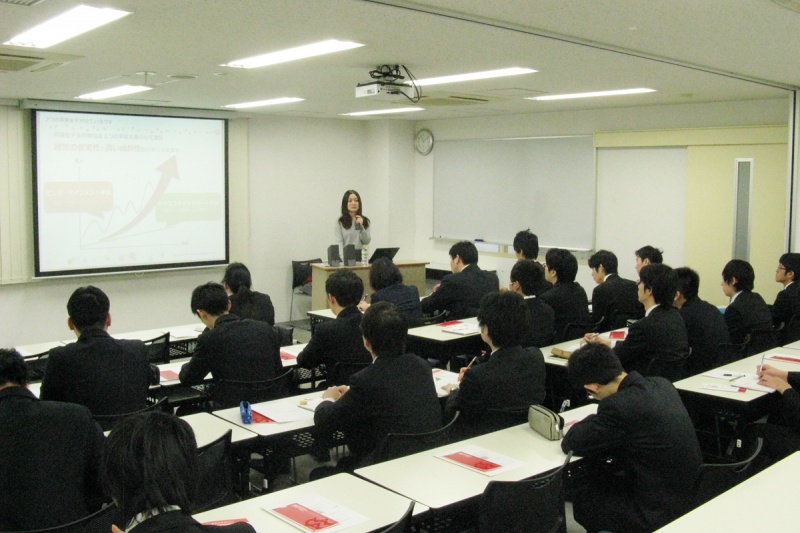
593,363
346,287
791,262
383,273
688,282
742,271
506,318
149,462
211,298
662,280
88,307
654,255
605,258
237,275
466,251
528,274
527,243
12,368
385,328
563,262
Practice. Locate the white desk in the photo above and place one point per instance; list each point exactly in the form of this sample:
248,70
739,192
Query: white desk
208,428
380,506
306,417
793,345
435,332
765,502
571,345
35,349
290,359
188,332
436,483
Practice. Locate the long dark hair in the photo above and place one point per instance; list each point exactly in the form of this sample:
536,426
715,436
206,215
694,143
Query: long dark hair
346,220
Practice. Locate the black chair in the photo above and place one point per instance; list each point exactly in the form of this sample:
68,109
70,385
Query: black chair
791,330
489,420
107,422
761,340
301,277
728,353
535,504
158,349
396,445
285,335
404,524
714,479
215,480
228,393
576,330
341,372
437,318
37,365
670,368
97,522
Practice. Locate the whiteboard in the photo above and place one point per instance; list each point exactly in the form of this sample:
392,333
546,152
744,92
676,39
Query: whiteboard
492,188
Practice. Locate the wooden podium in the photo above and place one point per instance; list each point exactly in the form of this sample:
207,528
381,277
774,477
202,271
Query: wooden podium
413,274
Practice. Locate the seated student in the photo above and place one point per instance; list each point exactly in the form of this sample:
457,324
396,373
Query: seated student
567,297
782,432
513,377
395,394
246,303
705,325
49,454
648,255
150,469
387,282
525,276
338,340
526,246
107,375
747,310
613,294
460,293
787,303
643,424
232,348
661,335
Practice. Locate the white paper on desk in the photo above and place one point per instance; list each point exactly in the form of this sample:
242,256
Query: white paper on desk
786,358
442,378
721,387
480,460
311,404
314,504
182,333
462,329
727,375
750,381
282,413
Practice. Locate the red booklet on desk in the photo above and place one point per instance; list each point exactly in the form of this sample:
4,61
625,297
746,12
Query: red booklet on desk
307,519
286,356
472,461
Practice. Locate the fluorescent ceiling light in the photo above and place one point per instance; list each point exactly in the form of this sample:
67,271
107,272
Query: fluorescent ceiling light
261,103
592,94
291,54
487,74
114,91
66,26
383,111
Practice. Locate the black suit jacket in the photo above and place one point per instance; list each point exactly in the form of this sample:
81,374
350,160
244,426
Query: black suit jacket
236,349
787,304
746,313
49,458
618,296
404,297
336,340
706,330
106,375
254,305
570,305
177,522
393,395
542,323
661,335
644,426
460,294
542,286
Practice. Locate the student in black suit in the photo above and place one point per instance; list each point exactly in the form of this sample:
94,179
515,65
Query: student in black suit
526,246
460,293
246,303
49,454
613,294
387,282
232,348
525,276
107,375
567,297
395,394
150,470
338,340
658,343
513,377
643,424
747,310
705,325
648,255
787,303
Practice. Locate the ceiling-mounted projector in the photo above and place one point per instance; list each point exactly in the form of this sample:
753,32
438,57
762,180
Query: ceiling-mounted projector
375,87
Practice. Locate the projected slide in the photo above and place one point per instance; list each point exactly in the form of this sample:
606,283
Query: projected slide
125,192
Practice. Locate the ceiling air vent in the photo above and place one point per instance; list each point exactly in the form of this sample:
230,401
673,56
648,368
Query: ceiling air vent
23,3
27,62
443,99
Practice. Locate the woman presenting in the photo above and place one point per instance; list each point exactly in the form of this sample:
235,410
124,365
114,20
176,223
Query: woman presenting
352,227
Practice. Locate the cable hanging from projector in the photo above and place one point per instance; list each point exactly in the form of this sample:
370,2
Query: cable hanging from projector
390,79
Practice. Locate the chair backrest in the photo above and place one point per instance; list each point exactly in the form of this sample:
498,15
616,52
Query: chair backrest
761,340
429,320
228,393
670,368
489,420
714,479
341,372
158,349
791,330
728,353
576,330
37,365
97,522
535,504
285,335
215,479
107,422
301,272
404,524
396,445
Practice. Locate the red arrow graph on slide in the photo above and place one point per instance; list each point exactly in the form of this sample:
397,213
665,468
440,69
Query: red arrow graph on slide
169,171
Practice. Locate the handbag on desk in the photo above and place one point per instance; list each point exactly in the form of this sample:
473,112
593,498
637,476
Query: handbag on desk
545,422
